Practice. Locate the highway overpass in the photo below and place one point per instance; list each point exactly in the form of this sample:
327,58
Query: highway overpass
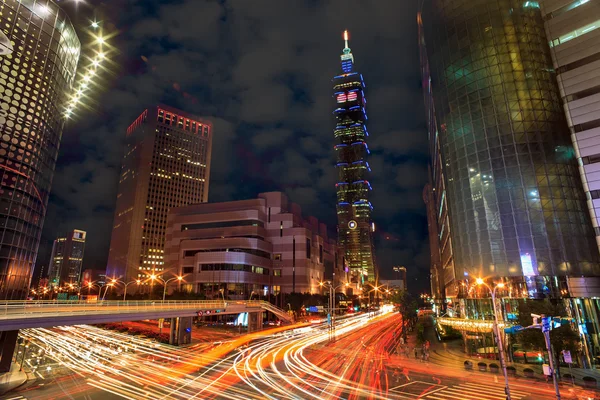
15,315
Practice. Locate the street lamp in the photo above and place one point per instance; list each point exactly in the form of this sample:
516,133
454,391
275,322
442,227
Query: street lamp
222,294
108,286
115,281
500,285
332,300
165,283
90,285
251,293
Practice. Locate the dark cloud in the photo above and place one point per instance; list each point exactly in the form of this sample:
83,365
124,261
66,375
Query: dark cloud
262,71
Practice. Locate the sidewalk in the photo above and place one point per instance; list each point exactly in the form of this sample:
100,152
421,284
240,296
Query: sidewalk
12,379
449,358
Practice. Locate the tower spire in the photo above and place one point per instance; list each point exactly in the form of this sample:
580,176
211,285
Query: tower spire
347,57
346,40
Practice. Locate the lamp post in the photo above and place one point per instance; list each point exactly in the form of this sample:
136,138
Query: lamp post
222,294
332,301
251,293
165,283
90,285
500,285
137,281
107,286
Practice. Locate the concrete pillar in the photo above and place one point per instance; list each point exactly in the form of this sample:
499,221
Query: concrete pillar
180,331
254,321
8,341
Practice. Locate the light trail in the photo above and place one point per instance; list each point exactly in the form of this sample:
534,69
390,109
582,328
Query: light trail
273,366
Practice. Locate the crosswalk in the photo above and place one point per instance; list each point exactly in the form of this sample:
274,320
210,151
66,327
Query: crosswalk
474,391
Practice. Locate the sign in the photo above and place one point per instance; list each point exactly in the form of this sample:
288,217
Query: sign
547,370
567,356
313,309
161,322
546,324
199,313
329,319
207,312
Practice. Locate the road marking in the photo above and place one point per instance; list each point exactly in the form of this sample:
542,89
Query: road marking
474,391
417,389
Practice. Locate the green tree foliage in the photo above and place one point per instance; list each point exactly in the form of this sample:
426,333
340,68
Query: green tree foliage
563,338
299,300
407,305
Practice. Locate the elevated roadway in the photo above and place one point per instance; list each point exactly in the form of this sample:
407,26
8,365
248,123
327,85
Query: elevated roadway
15,315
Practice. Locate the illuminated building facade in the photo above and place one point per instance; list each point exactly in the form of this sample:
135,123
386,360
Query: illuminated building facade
66,259
39,52
166,164
434,194
574,38
262,246
517,209
355,226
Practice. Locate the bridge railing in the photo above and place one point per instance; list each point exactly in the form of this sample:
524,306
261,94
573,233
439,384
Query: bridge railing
33,308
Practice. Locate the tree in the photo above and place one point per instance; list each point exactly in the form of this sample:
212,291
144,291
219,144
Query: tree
563,338
407,305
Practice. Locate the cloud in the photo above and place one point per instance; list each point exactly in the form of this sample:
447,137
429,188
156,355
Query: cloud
261,71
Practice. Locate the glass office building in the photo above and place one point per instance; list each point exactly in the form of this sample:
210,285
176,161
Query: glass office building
38,60
515,198
355,226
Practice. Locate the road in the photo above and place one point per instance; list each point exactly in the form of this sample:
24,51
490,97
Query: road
303,363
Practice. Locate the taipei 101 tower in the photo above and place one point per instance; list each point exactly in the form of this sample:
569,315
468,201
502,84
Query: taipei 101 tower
355,226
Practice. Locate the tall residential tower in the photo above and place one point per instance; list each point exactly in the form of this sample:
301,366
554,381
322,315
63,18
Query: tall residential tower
166,164
355,226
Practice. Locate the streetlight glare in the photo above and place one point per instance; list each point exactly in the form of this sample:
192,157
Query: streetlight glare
500,285
479,281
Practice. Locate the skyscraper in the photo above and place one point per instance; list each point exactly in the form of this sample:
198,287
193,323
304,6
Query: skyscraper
67,259
574,38
517,210
166,164
434,193
355,226
38,60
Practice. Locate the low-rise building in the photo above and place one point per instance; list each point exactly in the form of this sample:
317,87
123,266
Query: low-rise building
250,248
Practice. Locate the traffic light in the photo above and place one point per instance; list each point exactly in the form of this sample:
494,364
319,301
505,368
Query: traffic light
356,308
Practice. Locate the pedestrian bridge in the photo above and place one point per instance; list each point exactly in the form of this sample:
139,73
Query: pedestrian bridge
15,315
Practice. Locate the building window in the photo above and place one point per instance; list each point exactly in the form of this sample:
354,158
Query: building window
188,270
321,253
276,272
590,159
281,229
277,257
308,249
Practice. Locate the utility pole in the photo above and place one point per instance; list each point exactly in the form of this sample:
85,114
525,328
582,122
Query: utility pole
546,331
545,326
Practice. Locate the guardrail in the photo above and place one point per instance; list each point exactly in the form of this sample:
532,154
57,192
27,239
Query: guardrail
34,308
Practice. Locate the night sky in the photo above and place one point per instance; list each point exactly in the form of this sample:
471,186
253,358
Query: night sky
261,70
